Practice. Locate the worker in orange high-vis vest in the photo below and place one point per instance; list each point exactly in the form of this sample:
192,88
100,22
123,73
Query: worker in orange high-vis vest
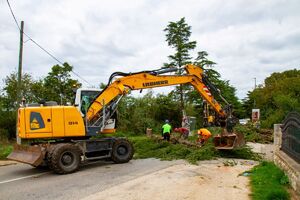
203,135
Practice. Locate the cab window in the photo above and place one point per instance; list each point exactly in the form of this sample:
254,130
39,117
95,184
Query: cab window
86,99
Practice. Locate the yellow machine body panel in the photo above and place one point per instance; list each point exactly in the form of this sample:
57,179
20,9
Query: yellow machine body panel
38,122
50,122
58,116
73,122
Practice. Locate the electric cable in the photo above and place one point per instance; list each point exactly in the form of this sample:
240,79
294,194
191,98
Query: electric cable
42,48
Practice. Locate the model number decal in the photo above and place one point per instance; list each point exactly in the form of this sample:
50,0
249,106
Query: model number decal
73,123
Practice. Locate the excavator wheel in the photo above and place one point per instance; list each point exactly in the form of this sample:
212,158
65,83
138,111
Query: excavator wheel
43,165
122,151
64,158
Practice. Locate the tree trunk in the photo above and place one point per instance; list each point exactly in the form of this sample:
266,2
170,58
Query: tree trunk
181,97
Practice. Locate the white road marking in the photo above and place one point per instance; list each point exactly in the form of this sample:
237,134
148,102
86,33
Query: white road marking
24,177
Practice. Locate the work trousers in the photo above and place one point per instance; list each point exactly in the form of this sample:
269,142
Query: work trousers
167,136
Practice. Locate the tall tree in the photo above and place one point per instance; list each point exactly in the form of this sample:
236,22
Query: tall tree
58,84
178,37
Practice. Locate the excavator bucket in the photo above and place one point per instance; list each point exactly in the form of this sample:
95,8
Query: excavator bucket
27,154
229,141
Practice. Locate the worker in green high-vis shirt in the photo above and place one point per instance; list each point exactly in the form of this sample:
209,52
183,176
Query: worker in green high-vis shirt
166,130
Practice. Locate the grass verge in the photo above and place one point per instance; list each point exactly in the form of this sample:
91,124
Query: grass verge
268,182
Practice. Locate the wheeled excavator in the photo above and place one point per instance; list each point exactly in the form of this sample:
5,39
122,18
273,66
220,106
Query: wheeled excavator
63,135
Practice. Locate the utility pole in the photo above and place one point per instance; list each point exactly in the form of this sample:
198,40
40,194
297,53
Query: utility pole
19,98
254,103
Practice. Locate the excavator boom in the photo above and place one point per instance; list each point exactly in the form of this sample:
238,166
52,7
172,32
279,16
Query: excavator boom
195,76
151,79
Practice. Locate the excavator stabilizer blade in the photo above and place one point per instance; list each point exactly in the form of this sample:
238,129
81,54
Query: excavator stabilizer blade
27,154
230,141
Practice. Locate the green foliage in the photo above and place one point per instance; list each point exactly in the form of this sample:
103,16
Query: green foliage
268,182
5,150
279,96
7,124
58,85
178,37
242,153
148,148
251,134
57,82
8,100
138,114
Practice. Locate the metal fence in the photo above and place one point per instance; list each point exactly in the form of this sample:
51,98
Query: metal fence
291,136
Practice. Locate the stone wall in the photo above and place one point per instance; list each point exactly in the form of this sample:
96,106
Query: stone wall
282,160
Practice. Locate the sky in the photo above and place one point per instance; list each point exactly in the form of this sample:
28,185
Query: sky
248,39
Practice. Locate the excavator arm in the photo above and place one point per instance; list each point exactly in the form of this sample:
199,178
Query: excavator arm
104,105
150,79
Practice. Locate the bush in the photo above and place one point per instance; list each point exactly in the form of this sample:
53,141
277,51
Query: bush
253,134
4,134
5,150
7,124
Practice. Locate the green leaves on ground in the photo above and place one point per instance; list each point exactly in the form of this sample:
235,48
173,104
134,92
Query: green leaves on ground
268,182
253,134
148,148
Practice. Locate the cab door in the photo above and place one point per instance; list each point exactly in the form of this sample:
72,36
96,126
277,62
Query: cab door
38,122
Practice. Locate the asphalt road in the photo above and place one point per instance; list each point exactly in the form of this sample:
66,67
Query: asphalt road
21,181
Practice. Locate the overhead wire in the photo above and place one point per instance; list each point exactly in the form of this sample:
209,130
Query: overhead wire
42,48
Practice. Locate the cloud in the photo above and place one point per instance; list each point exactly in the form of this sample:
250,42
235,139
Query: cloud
246,38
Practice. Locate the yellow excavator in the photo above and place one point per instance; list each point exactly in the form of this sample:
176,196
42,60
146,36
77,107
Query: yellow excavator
64,134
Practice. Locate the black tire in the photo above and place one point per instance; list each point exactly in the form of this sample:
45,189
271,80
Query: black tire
43,165
49,156
122,151
65,158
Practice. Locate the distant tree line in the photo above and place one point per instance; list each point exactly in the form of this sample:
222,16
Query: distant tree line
279,95
56,86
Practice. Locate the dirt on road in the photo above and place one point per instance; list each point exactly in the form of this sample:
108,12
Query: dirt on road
213,180
7,162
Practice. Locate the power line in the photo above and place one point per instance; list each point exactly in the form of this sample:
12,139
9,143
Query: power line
42,48
12,13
